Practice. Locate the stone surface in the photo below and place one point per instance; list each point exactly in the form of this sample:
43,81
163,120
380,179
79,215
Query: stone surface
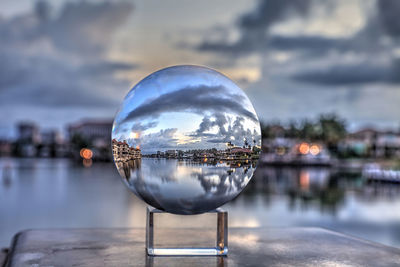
247,247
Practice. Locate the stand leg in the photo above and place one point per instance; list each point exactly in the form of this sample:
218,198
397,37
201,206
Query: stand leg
149,231
222,232
221,248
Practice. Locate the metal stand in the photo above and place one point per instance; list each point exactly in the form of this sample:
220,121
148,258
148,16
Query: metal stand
221,248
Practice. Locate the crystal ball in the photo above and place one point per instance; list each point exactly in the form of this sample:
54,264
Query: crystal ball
186,139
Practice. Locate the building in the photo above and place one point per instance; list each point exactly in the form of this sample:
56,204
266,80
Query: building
240,153
387,144
171,154
50,137
372,143
134,153
123,152
28,139
96,131
51,144
95,134
28,133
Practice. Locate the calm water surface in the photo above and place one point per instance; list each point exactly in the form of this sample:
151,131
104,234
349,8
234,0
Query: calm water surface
45,193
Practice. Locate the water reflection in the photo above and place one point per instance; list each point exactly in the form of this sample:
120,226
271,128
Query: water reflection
186,186
59,193
7,175
322,188
303,187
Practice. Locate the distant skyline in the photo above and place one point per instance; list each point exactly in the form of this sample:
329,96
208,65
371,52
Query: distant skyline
67,60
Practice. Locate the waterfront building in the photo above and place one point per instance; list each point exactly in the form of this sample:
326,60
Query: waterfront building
28,133
372,143
97,131
28,139
93,133
240,153
171,153
123,152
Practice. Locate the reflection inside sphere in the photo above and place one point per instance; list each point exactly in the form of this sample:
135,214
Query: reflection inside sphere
186,140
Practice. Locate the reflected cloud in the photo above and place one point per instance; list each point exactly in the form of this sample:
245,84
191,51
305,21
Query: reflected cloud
185,186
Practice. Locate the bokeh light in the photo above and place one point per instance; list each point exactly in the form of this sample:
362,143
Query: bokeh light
304,148
314,150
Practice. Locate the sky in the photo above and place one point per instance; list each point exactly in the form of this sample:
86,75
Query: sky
63,61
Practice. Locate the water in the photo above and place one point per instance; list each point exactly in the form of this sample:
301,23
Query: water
58,193
186,186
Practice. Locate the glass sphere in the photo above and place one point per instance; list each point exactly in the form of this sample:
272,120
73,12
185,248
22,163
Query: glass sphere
186,140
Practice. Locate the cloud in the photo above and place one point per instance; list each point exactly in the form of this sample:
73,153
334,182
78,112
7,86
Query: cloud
60,59
227,131
352,63
85,27
268,12
349,75
139,127
255,25
161,140
195,99
388,13
207,124
256,37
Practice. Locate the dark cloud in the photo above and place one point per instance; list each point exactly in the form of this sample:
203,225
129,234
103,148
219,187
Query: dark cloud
349,75
207,124
254,26
316,44
105,67
59,60
388,13
55,83
139,127
255,35
268,12
312,43
85,27
193,99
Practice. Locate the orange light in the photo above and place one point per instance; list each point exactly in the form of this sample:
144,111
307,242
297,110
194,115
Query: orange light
205,159
87,163
314,150
81,152
304,148
304,180
86,153
137,147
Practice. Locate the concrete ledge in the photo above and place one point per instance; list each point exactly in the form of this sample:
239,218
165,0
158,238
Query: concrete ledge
247,247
